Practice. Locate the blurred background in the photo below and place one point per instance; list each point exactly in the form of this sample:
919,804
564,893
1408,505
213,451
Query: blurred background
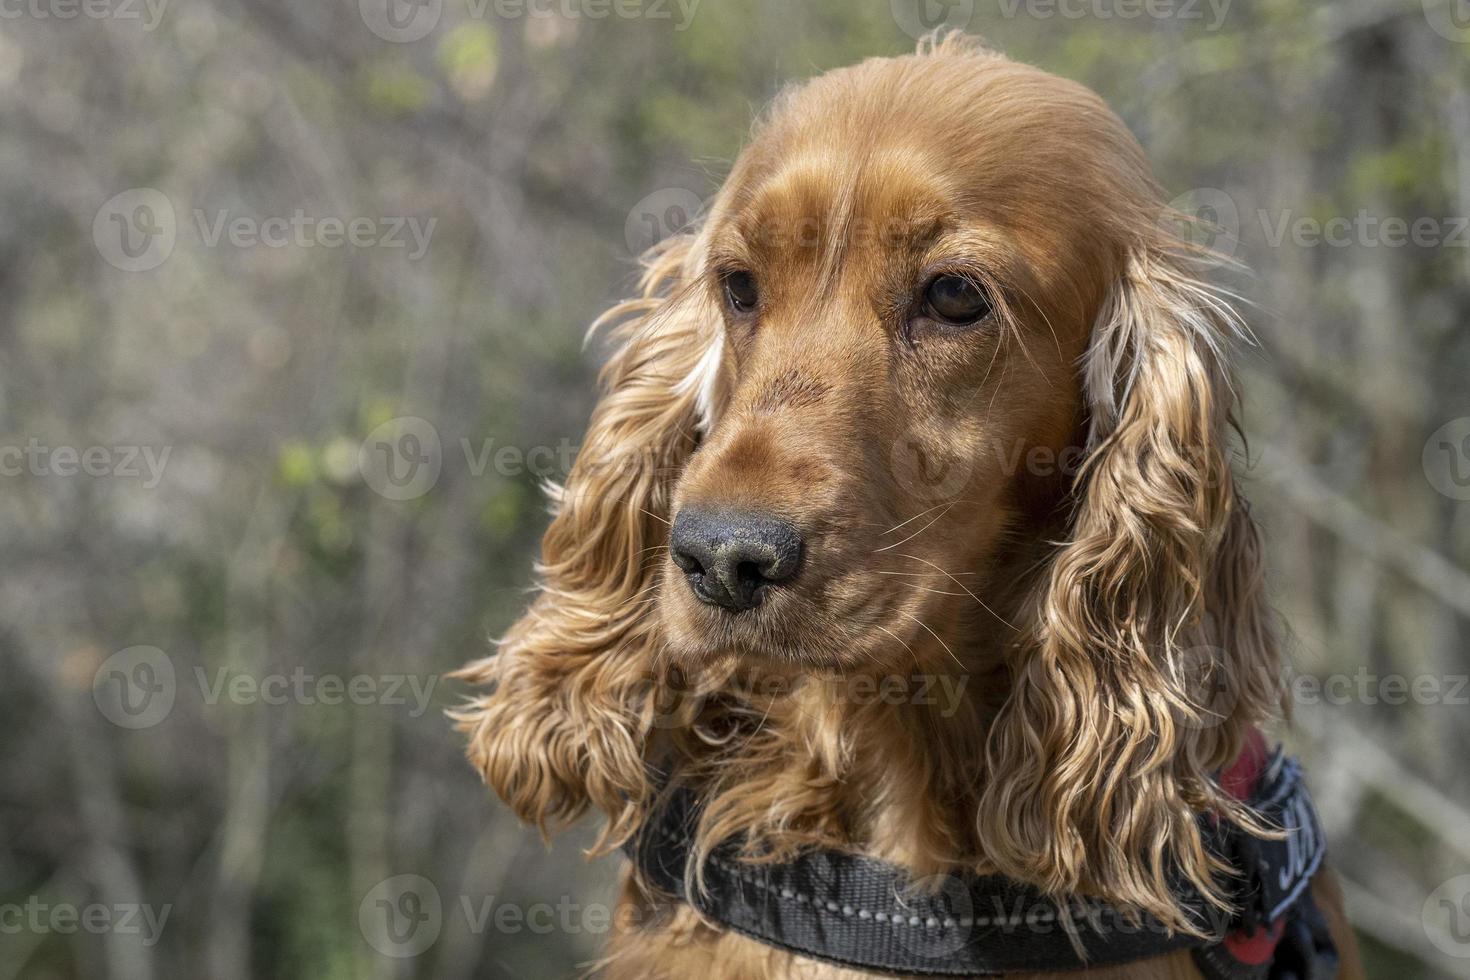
292,302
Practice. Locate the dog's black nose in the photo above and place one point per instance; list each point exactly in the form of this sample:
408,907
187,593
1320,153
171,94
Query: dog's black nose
733,560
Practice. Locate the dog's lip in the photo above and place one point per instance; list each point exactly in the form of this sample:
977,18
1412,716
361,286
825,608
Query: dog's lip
707,631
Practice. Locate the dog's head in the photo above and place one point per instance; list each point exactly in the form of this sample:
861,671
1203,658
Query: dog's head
934,376
899,280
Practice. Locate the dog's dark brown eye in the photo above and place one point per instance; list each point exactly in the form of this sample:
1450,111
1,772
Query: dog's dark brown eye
740,291
955,299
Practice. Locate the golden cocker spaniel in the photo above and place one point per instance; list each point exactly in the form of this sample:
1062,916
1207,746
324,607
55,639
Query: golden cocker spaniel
934,395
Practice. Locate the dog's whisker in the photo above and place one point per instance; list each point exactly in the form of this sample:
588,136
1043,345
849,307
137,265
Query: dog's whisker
899,639
925,588
920,514
921,530
915,574
963,586
935,635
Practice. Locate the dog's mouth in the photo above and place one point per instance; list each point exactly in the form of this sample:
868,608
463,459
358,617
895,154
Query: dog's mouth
813,621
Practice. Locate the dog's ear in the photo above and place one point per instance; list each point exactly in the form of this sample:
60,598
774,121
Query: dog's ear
571,703
1153,657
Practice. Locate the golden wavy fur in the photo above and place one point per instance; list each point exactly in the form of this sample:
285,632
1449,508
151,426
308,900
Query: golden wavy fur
1093,638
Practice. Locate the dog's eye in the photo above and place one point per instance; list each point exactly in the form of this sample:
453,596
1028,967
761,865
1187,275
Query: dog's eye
740,291
956,300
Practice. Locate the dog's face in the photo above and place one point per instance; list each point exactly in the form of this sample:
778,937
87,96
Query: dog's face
906,267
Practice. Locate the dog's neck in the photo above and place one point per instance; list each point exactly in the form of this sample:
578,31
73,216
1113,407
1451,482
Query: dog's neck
883,762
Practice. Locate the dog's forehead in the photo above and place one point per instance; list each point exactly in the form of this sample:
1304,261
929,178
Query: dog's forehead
858,197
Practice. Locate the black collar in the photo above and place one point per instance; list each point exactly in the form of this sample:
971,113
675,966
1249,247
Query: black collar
865,914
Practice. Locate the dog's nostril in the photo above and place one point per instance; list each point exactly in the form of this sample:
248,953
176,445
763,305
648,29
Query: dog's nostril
732,560
687,563
748,573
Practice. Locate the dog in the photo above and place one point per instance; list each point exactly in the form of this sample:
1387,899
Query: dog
906,525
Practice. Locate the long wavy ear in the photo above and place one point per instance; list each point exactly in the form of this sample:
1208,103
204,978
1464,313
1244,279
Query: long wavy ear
1153,657
570,705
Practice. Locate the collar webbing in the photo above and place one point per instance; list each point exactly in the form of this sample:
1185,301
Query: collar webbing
863,913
